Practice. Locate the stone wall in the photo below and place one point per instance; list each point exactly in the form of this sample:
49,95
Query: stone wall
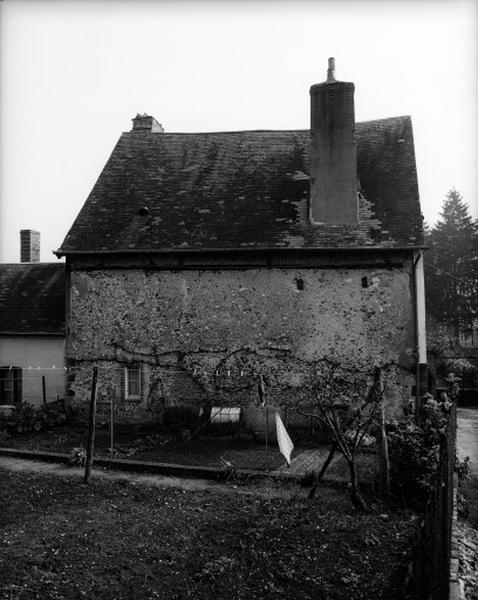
205,336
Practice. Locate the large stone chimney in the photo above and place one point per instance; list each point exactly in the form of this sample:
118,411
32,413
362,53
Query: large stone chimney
29,246
146,123
333,160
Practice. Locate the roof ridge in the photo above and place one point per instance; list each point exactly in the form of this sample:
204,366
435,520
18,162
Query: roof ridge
232,131
397,118
167,133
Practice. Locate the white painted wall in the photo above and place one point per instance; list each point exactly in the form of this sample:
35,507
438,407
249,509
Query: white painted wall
36,351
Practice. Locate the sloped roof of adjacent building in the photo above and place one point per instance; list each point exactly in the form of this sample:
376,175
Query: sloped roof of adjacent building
32,298
246,189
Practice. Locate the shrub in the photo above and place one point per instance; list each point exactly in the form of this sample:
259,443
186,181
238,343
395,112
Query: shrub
180,419
77,456
224,430
49,417
462,468
414,452
28,419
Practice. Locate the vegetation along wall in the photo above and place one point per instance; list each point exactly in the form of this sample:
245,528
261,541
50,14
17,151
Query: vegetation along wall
204,337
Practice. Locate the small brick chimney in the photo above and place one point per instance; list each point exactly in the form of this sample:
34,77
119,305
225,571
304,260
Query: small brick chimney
333,160
146,123
29,246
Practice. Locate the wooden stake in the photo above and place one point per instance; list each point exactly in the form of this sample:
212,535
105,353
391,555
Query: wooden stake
43,385
112,429
384,460
91,430
267,438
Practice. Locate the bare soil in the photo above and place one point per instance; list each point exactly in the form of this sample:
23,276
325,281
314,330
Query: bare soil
119,540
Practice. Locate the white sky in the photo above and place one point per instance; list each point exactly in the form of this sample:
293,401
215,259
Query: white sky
74,73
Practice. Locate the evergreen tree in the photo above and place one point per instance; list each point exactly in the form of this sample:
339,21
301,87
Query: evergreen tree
451,267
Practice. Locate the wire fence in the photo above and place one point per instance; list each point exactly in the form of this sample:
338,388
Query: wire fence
197,417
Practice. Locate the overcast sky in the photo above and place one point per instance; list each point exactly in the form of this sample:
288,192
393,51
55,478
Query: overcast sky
74,73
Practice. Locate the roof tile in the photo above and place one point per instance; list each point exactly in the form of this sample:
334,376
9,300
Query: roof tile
246,189
32,298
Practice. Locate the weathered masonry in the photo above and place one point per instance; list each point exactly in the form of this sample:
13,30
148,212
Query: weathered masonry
201,261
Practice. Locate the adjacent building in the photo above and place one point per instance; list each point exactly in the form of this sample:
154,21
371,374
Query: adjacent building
32,327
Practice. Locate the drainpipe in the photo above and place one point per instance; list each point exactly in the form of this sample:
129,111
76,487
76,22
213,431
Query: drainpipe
420,328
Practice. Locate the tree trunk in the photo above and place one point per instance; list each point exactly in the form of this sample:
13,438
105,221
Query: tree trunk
324,468
355,496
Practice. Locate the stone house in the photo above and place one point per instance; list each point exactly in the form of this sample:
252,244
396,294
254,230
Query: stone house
203,261
32,327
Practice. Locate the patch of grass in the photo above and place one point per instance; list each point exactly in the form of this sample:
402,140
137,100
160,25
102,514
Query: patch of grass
115,540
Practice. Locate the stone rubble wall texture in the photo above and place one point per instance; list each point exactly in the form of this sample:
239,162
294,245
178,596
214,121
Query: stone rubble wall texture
203,336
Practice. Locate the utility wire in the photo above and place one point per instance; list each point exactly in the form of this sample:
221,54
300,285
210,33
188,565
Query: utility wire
446,273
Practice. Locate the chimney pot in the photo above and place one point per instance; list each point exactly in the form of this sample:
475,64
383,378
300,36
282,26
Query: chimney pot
29,246
331,70
145,122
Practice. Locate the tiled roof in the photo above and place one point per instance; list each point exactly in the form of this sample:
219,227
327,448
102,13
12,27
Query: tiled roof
32,298
246,189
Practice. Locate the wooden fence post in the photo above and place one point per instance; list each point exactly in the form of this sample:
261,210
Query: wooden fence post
112,426
91,430
43,387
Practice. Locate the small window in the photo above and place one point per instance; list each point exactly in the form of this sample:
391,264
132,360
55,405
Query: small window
10,385
132,383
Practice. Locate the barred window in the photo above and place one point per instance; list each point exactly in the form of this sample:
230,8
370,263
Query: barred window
132,379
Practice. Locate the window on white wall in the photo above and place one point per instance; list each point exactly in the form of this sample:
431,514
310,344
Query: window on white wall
10,385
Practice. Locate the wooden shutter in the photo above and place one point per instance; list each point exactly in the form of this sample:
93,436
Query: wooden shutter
17,375
122,380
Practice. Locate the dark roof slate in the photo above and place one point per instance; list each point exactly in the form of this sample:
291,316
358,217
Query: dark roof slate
32,298
246,189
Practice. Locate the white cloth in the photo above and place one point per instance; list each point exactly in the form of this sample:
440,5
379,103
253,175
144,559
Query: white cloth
285,443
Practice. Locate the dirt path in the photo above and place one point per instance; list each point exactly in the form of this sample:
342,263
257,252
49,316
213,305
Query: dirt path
467,445
18,464
264,488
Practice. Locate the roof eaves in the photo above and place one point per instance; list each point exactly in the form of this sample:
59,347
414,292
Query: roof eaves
33,333
240,249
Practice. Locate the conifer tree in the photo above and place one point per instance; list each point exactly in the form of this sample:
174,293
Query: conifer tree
451,268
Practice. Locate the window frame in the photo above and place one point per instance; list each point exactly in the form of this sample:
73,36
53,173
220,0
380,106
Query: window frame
126,375
11,378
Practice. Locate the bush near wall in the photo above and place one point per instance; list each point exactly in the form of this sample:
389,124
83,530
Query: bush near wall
415,451
28,419
422,466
